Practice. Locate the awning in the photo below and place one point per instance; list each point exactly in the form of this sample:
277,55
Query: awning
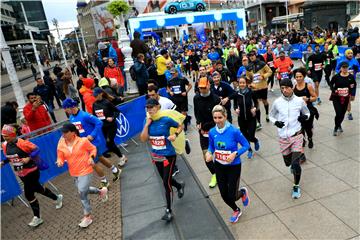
355,22
291,18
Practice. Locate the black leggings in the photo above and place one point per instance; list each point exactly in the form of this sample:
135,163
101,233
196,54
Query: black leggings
293,159
109,132
248,128
31,186
271,78
340,110
165,170
228,179
327,71
307,126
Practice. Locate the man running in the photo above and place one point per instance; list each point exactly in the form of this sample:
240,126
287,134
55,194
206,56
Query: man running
315,67
287,113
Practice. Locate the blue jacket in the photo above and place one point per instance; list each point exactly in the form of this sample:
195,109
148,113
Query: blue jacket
353,64
227,142
90,125
214,56
112,54
142,74
241,71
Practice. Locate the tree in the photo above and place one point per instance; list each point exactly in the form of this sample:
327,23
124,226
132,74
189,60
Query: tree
118,7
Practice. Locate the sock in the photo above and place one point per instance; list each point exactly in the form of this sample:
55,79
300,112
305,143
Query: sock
35,208
266,109
114,169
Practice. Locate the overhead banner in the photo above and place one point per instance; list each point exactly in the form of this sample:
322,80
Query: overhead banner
103,22
200,31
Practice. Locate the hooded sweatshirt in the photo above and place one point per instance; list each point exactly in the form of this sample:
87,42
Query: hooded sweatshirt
87,93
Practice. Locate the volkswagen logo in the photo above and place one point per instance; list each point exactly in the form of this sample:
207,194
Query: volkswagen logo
124,126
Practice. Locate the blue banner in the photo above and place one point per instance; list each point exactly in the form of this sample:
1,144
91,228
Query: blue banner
200,31
10,188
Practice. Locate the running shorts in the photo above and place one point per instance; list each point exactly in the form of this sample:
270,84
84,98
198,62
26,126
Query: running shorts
291,144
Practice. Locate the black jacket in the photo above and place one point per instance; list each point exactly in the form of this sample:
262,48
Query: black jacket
44,92
244,102
233,64
202,110
8,114
103,109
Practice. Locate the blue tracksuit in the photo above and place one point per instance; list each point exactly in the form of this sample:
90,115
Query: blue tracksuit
353,65
226,143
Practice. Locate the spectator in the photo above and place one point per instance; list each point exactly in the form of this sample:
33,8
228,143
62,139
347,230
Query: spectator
33,70
161,62
138,46
51,84
233,63
121,60
115,75
80,68
352,37
57,69
142,74
87,93
59,86
46,95
288,49
105,52
9,113
35,112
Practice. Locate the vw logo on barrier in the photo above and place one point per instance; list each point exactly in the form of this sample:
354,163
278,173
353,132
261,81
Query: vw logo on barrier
124,126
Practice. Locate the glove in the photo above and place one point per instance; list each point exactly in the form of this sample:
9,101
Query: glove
279,124
302,118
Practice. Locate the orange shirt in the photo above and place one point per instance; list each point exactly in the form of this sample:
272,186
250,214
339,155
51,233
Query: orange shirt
283,65
78,158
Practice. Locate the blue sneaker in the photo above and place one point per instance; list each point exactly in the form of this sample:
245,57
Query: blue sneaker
257,145
296,193
250,155
245,198
235,216
350,116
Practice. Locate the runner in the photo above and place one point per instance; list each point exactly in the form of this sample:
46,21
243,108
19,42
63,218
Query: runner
283,66
105,111
259,72
223,144
327,56
21,153
269,58
89,126
287,113
342,87
79,154
165,103
315,68
307,92
204,102
162,150
244,106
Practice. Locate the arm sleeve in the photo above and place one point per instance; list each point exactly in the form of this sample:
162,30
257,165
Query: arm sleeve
95,122
242,140
173,123
196,112
28,113
211,147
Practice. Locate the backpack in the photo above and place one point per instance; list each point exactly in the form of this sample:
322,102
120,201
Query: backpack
132,73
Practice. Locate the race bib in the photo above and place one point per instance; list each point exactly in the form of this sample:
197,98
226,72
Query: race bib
79,127
176,89
271,64
343,92
221,156
16,161
318,67
158,142
284,75
256,78
100,114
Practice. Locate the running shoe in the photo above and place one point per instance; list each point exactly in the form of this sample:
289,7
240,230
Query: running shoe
116,175
250,155
167,216
181,191
122,161
85,222
267,118
340,129
296,193
176,171
124,145
258,126
245,197
187,146
235,216
319,101
213,181
311,144
107,155
350,116
257,145
335,132
59,201
104,184
36,221
103,194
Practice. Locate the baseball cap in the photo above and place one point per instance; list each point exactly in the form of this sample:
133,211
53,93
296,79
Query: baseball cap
97,91
152,102
203,82
68,127
69,103
344,64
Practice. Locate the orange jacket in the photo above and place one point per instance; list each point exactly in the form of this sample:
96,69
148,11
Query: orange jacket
88,98
116,73
79,158
283,65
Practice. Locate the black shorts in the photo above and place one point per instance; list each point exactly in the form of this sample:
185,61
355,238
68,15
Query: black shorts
204,142
261,94
316,76
181,104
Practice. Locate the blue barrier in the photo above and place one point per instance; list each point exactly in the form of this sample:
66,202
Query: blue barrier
10,187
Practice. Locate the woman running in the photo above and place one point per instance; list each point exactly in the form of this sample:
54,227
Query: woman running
79,154
244,106
223,144
162,150
342,85
21,154
307,92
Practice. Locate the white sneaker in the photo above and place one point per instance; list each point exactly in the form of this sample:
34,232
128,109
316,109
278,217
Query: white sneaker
85,222
35,222
124,144
103,194
59,201
122,161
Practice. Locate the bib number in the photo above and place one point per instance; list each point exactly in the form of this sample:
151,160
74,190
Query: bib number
257,78
318,67
16,162
271,64
100,114
158,143
176,89
221,156
284,75
79,127
343,92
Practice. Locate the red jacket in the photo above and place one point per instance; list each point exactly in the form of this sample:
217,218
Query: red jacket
38,118
88,97
114,72
119,53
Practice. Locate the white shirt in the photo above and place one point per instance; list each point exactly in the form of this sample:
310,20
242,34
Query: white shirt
166,103
288,110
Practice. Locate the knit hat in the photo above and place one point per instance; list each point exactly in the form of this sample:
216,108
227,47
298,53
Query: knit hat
8,130
286,82
103,82
102,46
69,103
88,82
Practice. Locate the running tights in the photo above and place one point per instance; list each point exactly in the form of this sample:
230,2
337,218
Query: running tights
109,132
340,110
293,160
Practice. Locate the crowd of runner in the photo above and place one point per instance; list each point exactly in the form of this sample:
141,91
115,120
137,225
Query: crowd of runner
230,78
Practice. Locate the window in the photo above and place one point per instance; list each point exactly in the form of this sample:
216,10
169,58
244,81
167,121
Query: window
282,11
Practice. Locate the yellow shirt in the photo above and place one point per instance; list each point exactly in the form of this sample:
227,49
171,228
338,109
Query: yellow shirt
205,63
161,64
